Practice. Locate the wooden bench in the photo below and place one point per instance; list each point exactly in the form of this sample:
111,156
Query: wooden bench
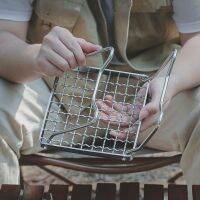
102,191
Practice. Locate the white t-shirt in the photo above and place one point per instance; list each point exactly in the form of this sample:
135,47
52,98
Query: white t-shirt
186,13
16,10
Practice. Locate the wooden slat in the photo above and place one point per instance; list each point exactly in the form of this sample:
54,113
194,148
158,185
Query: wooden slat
177,192
196,192
152,191
33,192
105,191
58,192
81,192
129,191
9,192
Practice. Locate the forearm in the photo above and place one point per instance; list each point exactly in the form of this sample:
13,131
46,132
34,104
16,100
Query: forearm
17,58
186,70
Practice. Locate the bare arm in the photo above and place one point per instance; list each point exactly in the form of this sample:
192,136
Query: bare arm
16,56
186,72
60,51
185,76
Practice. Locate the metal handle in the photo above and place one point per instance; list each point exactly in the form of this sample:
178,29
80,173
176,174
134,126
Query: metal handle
101,70
171,58
93,103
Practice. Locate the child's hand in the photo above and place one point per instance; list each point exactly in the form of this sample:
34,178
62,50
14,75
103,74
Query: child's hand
60,51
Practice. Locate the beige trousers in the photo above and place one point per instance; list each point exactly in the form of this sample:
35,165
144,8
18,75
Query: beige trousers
22,109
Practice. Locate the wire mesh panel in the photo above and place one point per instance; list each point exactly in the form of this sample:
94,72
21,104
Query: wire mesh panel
70,105
96,111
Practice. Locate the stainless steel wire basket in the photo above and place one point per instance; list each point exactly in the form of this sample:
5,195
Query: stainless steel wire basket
72,121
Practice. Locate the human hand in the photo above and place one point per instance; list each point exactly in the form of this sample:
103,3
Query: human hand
121,116
125,115
60,51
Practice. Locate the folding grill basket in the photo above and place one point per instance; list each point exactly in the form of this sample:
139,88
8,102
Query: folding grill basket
72,120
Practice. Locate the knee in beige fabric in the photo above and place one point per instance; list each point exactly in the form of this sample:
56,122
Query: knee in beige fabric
22,109
9,166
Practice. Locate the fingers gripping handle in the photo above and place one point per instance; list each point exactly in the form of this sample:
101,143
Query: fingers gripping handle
103,67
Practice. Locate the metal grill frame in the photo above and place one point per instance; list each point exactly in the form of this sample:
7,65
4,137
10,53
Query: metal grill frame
127,154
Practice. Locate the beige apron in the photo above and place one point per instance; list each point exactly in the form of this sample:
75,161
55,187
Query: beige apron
144,32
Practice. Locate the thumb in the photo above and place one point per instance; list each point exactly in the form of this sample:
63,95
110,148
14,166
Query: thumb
152,107
148,110
88,47
148,115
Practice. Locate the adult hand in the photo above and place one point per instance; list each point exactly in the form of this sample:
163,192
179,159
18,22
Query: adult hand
60,51
125,115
